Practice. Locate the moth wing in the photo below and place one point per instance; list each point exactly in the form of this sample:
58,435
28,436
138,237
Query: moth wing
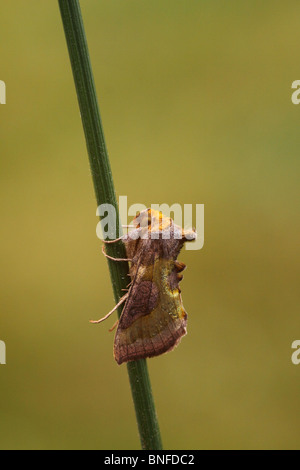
153,319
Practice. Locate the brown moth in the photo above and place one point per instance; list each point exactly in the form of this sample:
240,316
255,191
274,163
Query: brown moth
153,319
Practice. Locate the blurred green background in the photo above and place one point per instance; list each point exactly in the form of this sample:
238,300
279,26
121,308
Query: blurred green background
195,99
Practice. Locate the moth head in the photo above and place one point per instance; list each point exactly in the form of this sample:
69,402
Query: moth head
152,221
154,224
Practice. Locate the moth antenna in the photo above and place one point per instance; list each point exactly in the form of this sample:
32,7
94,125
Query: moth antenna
114,259
114,326
109,313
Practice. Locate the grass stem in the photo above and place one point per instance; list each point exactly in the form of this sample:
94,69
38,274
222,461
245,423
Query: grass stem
105,194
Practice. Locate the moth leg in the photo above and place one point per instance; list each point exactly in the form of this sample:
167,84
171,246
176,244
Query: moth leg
127,287
114,326
113,241
114,259
109,313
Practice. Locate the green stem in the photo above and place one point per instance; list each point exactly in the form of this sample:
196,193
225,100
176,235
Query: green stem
105,193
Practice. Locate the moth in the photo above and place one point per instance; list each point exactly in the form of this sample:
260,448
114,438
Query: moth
153,319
